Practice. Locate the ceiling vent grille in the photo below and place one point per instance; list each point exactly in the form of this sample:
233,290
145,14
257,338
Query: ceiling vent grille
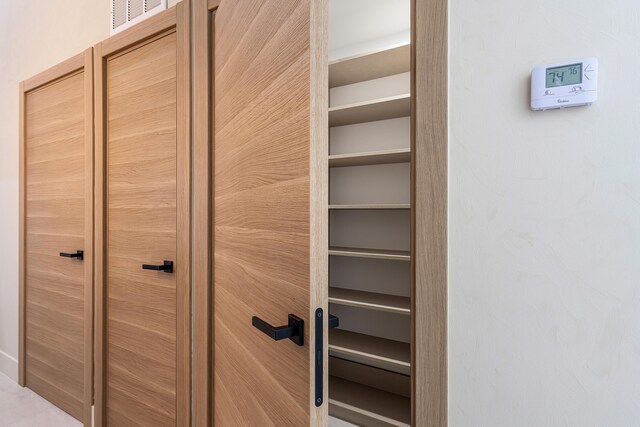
126,13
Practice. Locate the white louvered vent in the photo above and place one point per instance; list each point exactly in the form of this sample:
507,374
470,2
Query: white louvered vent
126,13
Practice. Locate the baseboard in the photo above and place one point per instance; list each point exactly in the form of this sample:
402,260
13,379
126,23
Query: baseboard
8,366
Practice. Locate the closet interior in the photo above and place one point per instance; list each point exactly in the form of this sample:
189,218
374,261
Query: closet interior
370,230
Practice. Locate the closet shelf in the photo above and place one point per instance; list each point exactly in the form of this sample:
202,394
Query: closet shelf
382,157
371,206
370,111
370,65
364,405
373,351
370,300
370,253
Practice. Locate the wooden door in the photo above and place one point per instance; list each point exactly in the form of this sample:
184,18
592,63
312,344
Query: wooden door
144,274
56,227
270,201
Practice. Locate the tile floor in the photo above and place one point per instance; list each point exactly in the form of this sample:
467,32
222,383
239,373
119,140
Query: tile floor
20,407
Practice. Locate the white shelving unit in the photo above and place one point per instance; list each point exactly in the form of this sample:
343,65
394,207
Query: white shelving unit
369,380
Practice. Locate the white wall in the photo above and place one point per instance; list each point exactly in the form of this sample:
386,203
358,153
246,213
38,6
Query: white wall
34,35
544,288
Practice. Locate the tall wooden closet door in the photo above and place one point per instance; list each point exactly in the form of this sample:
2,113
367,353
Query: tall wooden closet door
56,235
144,364
269,242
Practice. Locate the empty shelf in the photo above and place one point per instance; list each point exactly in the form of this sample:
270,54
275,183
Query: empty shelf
370,253
364,405
370,65
374,351
371,206
401,155
370,111
370,300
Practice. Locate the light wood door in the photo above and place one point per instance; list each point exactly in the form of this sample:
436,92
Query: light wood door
56,191
144,319
270,201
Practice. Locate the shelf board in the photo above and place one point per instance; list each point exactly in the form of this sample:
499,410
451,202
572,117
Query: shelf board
370,253
370,65
373,351
402,155
370,111
370,300
390,206
364,405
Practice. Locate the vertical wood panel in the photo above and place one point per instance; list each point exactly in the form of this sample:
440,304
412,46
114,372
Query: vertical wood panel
429,181
99,235
183,141
319,195
88,234
202,163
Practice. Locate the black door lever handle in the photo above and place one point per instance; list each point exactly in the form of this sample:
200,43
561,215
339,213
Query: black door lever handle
294,330
78,254
167,267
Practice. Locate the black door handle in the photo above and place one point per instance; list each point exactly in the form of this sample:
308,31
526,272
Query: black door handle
78,254
167,267
294,330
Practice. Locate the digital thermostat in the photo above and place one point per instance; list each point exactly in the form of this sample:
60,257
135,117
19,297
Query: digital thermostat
569,84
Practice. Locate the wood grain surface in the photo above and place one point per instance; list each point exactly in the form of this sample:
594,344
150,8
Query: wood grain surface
56,216
266,139
141,228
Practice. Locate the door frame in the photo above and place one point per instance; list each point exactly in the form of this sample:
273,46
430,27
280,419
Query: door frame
74,65
176,19
429,186
203,44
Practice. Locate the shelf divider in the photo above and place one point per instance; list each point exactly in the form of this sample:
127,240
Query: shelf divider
382,206
370,65
370,253
364,405
370,300
373,351
390,107
401,155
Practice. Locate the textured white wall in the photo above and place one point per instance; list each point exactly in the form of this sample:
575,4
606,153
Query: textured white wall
544,288
34,35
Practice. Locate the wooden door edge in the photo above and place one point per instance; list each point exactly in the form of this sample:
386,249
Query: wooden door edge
203,21
88,237
429,141
319,201
184,197
22,239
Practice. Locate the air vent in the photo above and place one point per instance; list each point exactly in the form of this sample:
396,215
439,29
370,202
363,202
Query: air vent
126,13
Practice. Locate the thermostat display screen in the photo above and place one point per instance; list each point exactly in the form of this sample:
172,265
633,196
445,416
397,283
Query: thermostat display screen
565,75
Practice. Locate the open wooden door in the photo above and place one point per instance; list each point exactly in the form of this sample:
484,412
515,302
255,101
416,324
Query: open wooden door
270,212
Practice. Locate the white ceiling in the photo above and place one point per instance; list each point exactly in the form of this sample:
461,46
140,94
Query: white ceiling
354,22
